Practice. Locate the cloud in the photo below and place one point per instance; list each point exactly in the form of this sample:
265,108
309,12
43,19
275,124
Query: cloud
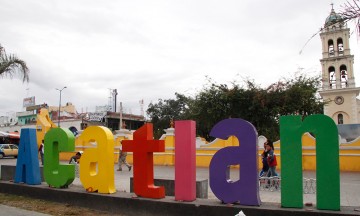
152,49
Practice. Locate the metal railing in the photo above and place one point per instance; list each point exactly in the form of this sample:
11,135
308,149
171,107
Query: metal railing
274,184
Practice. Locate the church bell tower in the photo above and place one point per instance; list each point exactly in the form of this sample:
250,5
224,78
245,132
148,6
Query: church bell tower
338,82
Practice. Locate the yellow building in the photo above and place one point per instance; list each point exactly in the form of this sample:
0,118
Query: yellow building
349,151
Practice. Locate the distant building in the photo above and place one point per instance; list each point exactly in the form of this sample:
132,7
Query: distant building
66,112
112,120
8,120
29,116
130,121
26,117
69,118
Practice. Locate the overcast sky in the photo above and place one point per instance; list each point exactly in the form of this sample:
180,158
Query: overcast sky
152,49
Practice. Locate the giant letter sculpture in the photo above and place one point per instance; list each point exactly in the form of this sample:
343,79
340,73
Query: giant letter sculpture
97,162
185,160
27,164
327,161
246,189
143,147
58,140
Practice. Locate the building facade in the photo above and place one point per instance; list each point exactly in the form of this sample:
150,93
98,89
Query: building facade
338,81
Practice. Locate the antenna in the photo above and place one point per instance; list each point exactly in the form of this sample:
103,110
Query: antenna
114,94
121,116
141,107
109,108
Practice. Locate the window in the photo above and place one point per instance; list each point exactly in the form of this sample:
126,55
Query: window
332,78
331,48
38,128
340,46
343,76
340,119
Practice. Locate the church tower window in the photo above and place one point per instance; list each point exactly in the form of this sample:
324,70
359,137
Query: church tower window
332,78
340,46
331,48
343,76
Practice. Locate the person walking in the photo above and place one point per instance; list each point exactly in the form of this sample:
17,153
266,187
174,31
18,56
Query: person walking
41,151
122,160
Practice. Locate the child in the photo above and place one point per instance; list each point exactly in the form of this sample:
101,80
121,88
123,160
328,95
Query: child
271,159
41,151
265,167
75,160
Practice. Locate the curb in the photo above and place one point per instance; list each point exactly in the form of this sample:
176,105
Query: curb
128,204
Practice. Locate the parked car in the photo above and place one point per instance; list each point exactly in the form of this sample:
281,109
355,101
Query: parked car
7,150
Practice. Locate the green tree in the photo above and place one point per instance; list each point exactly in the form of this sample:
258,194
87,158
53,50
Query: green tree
294,96
164,111
261,107
10,65
210,105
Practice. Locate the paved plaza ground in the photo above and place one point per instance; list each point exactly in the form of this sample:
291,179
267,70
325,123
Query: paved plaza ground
349,183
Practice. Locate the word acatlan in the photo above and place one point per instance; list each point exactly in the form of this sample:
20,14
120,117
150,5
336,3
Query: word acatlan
97,164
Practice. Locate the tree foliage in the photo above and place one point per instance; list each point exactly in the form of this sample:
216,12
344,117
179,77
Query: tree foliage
164,111
260,106
11,65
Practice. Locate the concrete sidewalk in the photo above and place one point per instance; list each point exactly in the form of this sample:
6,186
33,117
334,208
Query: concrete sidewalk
349,183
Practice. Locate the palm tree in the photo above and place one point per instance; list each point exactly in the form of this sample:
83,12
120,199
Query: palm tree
11,65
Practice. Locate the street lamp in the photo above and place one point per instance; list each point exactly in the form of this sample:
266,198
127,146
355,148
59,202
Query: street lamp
60,90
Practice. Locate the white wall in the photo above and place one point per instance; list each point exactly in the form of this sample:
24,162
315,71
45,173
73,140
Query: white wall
63,124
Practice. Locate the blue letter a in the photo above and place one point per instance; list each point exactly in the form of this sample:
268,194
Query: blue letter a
27,165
